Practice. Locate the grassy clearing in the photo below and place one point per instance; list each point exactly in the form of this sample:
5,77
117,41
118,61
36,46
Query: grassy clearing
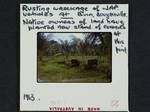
49,70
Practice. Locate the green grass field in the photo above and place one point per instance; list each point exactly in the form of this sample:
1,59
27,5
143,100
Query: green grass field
50,70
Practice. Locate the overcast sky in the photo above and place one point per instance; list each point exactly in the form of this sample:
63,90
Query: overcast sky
64,36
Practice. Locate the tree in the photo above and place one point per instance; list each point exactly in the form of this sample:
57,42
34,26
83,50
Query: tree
74,46
65,46
101,42
42,45
54,47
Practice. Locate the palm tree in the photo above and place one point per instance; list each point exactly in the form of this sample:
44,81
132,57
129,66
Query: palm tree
42,45
103,40
74,46
65,46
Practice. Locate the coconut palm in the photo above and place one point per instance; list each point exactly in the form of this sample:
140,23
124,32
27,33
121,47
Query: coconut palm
42,45
65,46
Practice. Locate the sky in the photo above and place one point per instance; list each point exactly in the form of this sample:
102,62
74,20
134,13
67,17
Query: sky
64,36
